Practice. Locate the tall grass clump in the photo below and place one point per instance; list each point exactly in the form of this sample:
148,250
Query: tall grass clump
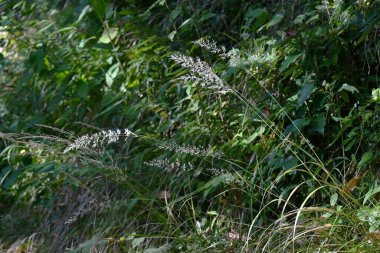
191,126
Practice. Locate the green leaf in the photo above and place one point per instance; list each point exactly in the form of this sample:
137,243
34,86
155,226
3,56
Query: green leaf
275,20
367,157
171,35
37,57
349,88
376,94
4,174
367,30
253,137
289,60
108,35
304,93
206,17
158,2
296,125
162,249
10,178
370,194
333,199
317,124
99,6
213,213
137,241
176,12
83,13
185,23
82,90
290,163
254,13
299,19
112,73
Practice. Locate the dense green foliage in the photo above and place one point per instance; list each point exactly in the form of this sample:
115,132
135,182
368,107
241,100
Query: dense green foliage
286,160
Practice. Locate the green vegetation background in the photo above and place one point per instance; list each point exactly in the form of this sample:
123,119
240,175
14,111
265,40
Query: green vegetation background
299,135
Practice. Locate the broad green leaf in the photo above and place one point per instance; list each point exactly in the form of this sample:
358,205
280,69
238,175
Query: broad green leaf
299,19
304,93
349,88
158,2
366,30
83,13
214,213
254,13
171,35
176,12
290,163
206,17
253,137
333,199
289,60
366,158
296,125
370,194
185,23
137,241
112,73
376,95
317,124
37,57
82,90
4,174
108,35
99,6
312,18
163,249
275,20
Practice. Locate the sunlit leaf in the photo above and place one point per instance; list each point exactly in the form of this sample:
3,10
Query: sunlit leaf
108,35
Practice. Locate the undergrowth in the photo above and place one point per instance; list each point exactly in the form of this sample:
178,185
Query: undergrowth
189,126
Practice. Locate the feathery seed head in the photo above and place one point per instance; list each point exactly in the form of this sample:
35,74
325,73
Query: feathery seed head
191,150
212,47
97,140
169,166
200,72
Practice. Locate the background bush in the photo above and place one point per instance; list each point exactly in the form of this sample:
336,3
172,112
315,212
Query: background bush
299,135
